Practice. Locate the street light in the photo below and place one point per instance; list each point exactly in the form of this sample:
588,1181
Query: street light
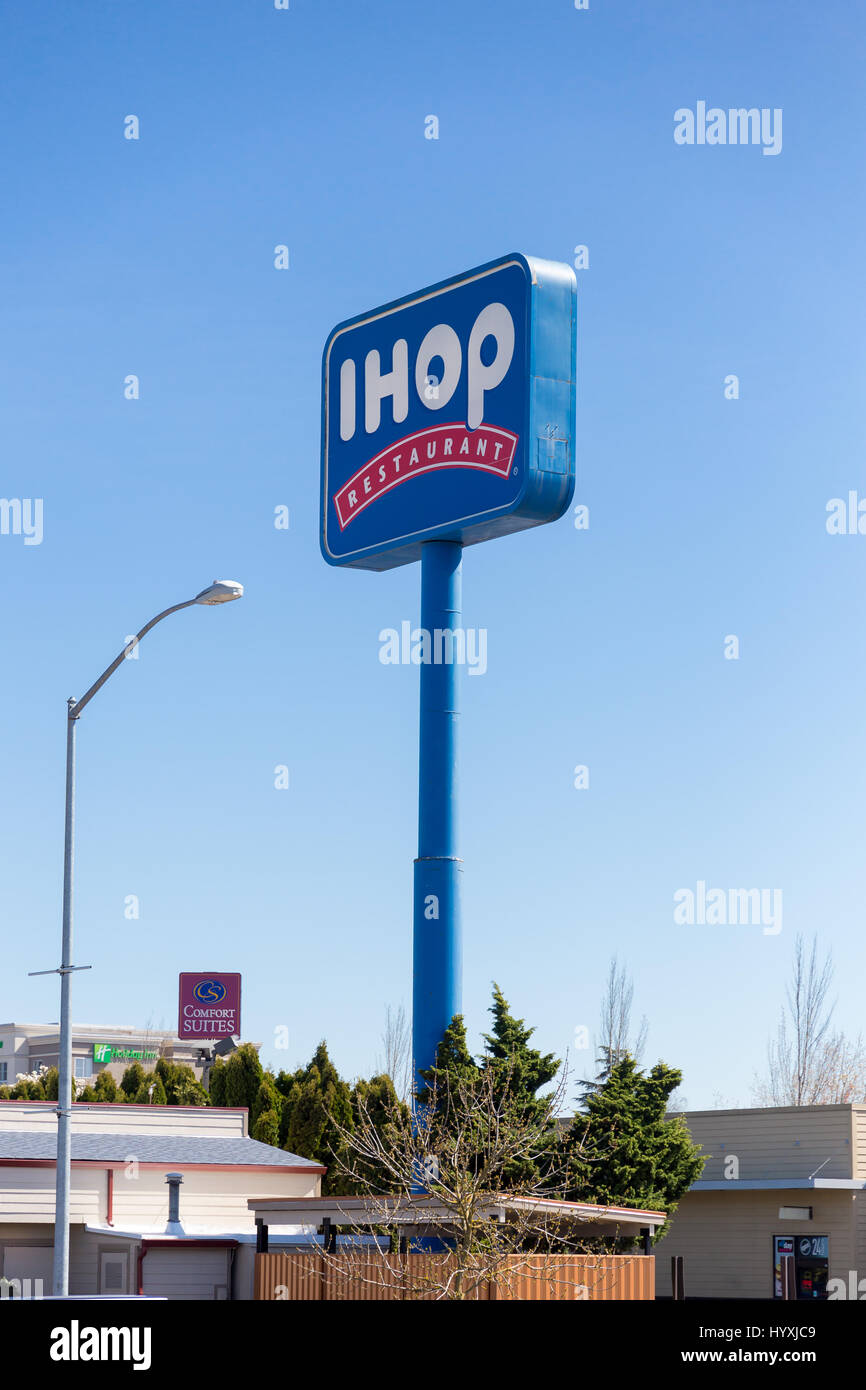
221,591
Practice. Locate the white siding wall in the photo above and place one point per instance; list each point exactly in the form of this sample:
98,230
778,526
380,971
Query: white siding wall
27,1195
202,1123
725,1239
216,1199
777,1143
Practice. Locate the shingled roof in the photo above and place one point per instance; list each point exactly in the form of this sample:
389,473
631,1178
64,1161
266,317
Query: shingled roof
151,1148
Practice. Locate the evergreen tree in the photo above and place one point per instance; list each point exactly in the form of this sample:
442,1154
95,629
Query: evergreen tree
605,1062
243,1077
267,1128
217,1083
374,1103
454,1064
315,1101
188,1091
28,1090
268,1099
288,1085
51,1083
179,1081
130,1082
623,1150
88,1095
378,1097
105,1087
145,1096
519,1072
285,1080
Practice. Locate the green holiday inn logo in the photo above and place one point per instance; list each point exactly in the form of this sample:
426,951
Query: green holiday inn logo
107,1052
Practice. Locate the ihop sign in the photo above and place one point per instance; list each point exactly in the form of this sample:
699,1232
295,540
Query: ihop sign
449,415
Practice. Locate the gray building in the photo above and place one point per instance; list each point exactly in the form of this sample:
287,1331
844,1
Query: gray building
24,1047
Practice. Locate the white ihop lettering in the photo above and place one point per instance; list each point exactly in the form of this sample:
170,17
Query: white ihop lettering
347,399
442,342
394,384
494,321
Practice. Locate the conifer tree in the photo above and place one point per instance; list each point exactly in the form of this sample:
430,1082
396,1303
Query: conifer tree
243,1077
454,1064
519,1072
130,1082
217,1082
519,1069
105,1087
623,1149
376,1104
151,1091
181,1086
268,1099
317,1099
267,1128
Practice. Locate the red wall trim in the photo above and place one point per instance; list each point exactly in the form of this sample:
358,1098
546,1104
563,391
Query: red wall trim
148,1244
199,1243
123,1105
163,1167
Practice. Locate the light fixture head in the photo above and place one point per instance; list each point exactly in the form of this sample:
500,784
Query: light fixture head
220,591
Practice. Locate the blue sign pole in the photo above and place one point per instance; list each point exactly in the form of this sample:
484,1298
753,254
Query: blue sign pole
448,419
437,969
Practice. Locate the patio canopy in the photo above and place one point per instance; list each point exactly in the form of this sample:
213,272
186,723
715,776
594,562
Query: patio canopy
426,1211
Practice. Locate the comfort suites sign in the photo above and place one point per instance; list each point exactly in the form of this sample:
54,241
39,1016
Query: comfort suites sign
209,1006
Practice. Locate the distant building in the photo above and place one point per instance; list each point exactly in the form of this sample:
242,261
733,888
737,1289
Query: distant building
24,1047
785,1180
131,1166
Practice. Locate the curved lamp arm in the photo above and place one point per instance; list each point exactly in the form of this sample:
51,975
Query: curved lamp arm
221,591
76,706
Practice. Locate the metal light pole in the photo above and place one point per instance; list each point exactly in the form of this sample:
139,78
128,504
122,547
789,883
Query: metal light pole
437,948
221,591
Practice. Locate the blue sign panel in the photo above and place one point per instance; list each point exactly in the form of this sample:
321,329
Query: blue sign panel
449,415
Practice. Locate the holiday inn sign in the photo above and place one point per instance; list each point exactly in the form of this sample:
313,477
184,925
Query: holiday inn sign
107,1052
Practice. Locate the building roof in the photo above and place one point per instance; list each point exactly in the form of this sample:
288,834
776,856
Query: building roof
422,1209
30,1146
780,1185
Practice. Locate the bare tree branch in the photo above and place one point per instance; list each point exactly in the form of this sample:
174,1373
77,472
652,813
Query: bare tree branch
457,1154
807,1064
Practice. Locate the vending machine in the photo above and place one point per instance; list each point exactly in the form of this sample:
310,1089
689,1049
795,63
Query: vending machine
811,1264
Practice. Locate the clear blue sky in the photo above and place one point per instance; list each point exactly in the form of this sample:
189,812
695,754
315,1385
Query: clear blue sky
155,257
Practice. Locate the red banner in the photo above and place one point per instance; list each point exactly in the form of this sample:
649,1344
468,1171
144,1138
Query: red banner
445,446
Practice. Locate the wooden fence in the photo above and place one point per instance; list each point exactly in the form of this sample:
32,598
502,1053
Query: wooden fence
370,1276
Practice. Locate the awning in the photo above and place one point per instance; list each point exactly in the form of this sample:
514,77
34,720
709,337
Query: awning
430,1211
